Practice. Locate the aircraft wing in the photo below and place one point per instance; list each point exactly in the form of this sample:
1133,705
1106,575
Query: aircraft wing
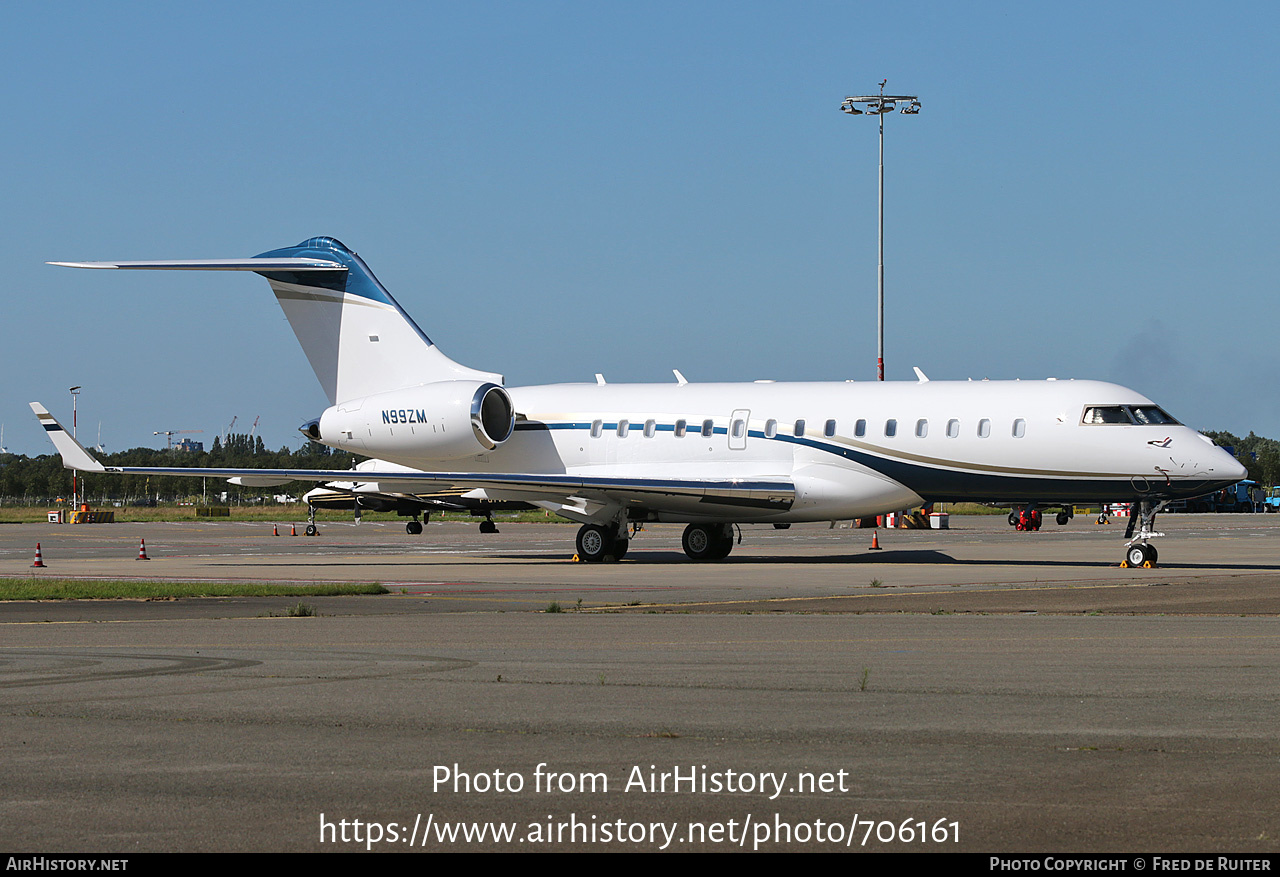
686,494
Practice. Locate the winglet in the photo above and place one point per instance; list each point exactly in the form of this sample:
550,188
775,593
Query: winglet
74,456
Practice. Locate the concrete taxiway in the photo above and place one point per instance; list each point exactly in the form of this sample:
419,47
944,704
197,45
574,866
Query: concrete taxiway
1019,685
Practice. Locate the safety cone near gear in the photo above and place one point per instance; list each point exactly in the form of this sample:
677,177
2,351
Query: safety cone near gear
275,530
875,542
142,550
293,530
39,564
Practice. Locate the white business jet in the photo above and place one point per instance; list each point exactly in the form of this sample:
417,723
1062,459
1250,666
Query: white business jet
614,456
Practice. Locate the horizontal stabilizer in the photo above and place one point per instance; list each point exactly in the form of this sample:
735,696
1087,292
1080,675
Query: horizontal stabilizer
74,456
295,264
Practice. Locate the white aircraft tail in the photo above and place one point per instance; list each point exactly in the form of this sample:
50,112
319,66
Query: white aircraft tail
356,336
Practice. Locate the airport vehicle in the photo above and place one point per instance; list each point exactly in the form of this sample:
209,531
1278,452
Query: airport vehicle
711,455
1244,496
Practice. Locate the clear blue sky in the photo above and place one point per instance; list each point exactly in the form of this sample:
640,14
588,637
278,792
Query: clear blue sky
556,189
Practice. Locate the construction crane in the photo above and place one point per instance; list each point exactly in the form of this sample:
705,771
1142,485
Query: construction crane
255,425
230,426
170,433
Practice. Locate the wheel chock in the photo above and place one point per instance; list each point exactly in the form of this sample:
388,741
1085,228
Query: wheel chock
1146,564
575,559
1124,564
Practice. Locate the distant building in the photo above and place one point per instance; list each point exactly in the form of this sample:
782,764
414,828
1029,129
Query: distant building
187,446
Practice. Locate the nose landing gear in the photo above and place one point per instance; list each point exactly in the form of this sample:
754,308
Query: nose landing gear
1139,552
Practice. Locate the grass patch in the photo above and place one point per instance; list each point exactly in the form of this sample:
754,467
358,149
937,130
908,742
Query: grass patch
553,607
41,588
300,610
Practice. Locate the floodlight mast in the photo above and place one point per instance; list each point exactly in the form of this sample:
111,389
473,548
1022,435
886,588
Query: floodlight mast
879,105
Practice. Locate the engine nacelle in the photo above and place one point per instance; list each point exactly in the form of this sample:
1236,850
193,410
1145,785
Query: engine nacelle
448,420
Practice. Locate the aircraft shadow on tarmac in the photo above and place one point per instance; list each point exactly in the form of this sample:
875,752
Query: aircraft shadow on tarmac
922,556
676,558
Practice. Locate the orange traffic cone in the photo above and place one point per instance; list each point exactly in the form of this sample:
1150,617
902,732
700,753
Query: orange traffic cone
39,562
875,542
142,550
293,530
275,530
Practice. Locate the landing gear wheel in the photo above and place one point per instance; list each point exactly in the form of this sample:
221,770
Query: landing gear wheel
311,530
723,547
620,547
1013,519
1142,554
1063,518
594,542
706,541
413,528
487,526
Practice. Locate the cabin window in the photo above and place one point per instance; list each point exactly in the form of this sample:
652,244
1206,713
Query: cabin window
682,426
953,428
890,428
799,430
829,429
650,427
1019,428
624,427
708,427
860,428
922,428
984,428
739,428
770,428
597,427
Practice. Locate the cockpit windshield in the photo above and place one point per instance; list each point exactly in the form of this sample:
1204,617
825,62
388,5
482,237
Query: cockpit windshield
1140,415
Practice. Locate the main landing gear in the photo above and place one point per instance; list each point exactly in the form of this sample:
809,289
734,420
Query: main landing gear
1139,552
414,527
708,541
311,520
597,542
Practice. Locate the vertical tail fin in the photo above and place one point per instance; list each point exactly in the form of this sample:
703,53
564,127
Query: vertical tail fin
356,336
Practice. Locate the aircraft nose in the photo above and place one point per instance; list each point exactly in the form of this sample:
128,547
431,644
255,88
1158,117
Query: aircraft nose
1233,468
